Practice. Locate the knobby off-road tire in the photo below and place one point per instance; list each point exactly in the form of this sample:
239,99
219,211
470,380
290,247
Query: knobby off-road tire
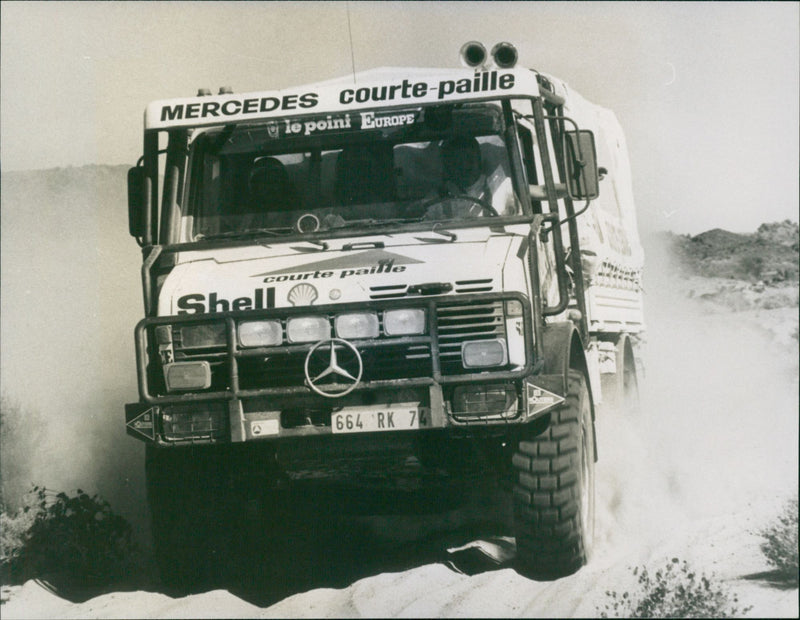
554,489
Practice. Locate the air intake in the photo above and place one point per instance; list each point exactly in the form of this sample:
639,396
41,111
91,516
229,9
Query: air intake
504,55
473,54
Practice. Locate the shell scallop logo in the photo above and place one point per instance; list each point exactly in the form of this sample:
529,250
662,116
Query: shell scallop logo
302,295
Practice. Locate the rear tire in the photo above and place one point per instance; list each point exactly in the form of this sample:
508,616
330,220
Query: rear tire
621,389
554,504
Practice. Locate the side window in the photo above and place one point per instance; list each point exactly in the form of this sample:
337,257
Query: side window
209,186
548,278
526,140
530,161
497,168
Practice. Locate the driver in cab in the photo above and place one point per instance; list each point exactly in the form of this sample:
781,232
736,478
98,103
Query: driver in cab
461,177
466,190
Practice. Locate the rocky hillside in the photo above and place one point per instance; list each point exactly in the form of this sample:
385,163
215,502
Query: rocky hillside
755,275
769,255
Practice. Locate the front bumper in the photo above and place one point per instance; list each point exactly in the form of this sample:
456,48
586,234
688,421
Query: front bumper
439,397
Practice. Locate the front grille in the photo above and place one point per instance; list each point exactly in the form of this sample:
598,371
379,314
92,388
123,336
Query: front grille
381,363
458,324
452,320
392,291
397,291
474,286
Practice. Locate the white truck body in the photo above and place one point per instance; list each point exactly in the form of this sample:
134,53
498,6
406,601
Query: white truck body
609,233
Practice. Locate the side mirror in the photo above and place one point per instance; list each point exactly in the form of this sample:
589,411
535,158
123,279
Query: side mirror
136,201
580,162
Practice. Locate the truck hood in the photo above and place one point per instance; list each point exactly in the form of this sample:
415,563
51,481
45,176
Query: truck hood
349,270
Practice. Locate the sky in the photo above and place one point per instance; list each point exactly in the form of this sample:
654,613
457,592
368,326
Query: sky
707,93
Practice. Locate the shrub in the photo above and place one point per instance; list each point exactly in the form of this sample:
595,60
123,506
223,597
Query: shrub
13,526
675,591
780,543
75,537
753,265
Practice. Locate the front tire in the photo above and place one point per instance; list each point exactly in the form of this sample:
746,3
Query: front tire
554,491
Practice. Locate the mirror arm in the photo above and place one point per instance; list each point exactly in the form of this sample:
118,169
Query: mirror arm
576,214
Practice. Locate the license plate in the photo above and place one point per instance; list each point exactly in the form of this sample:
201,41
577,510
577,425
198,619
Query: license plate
370,419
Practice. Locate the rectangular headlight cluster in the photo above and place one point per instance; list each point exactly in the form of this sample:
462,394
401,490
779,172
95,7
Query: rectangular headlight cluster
405,322
187,376
269,333
196,336
350,326
308,329
357,325
484,353
260,333
198,421
485,401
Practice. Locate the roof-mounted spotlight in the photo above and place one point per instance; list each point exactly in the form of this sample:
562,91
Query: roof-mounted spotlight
504,55
473,54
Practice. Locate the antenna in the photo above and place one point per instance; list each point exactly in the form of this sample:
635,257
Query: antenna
350,33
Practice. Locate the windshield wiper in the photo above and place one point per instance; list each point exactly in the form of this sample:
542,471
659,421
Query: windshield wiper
373,222
231,234
319,246
449,237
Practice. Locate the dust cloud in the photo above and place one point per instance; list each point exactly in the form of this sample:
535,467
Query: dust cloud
718,428
71,297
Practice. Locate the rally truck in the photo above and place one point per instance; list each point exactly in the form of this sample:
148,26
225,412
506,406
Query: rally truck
447,256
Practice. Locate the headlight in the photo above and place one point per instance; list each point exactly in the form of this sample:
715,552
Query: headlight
194,421
187,375
357,325
484,353
485,400
405,322
260,333
201,335
308,329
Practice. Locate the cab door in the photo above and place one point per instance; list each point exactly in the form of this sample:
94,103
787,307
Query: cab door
545,245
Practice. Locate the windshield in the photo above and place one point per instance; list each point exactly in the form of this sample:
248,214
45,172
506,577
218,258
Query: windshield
349,170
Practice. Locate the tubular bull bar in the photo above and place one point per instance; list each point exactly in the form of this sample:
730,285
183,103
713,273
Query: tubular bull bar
144,420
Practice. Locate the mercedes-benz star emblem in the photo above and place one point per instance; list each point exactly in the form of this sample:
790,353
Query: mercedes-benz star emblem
326,349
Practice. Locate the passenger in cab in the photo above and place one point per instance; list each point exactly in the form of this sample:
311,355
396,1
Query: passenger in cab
272,200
